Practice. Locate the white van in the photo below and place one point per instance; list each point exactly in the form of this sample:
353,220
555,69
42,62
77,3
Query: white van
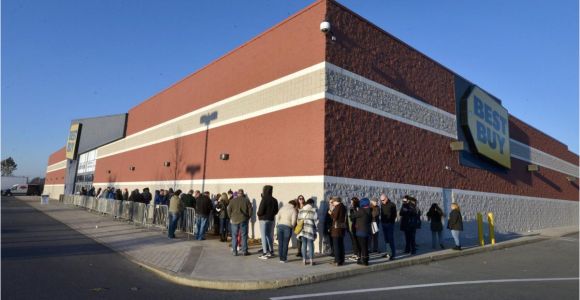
22,189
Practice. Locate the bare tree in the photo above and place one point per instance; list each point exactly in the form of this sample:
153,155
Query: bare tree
8,166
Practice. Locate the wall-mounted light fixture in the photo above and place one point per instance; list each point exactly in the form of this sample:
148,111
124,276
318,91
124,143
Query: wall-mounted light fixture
108,171
224,156
132,168
533,168
571,178
166,163
457,146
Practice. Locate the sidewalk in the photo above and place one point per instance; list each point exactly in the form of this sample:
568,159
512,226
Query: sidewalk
210,264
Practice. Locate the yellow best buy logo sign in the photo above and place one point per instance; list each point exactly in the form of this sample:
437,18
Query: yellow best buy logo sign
71,144
487,122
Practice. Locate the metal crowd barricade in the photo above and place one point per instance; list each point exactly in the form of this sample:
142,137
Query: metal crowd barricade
127,212
89,201
189,217
139,214
102,205
117,208
160,218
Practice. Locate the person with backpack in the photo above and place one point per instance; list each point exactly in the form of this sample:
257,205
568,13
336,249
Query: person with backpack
435,216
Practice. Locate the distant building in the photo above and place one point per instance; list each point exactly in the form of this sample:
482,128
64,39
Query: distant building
350,112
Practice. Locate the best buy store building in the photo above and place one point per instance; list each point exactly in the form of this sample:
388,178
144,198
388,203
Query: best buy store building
356,115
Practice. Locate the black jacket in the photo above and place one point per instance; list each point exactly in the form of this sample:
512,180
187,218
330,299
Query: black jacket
188,200
434,216
409,217
455,220
203,206
388,212
146,197
268,206
362,222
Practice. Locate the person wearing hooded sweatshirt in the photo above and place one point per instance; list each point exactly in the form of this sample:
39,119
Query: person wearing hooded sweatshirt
266,213
309,216
286,220
362,218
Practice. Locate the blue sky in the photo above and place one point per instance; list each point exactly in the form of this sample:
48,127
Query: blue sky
67,59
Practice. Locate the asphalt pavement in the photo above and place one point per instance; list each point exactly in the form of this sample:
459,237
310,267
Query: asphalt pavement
43,258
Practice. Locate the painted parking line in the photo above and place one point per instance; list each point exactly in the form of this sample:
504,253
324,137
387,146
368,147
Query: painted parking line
414,286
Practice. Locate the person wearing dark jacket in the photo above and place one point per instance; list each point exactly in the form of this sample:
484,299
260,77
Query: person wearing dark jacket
222,212
188,199
455,224
435,216
118,195
409,219
388,217
337,231
239,211
374,236
266,212
354,202
362,219
125,195
146,196
202,210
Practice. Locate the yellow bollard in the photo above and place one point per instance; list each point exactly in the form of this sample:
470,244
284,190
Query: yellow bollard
480,229
491,227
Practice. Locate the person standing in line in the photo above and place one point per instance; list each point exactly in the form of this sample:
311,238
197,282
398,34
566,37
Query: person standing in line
286,219
299,206
388,217
239,211
222,211
125,194
118,195
409,219
338,216
354,202
362,219
202,210
374,235
455,224
266,213
146,196
308,234
175,209
435,216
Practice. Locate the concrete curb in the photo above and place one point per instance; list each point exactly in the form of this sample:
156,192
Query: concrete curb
314,278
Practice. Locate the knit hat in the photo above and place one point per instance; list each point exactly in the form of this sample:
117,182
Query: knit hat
364,202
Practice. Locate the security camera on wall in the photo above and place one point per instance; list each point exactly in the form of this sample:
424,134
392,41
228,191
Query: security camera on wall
325,27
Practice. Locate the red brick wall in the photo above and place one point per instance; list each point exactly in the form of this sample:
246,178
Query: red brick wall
363,145
289,142
58,156
365,49
292,45
55,177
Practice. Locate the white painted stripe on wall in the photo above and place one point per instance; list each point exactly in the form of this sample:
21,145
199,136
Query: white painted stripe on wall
54,185
249,180
293,103
318,96
566,168
270,84
56,166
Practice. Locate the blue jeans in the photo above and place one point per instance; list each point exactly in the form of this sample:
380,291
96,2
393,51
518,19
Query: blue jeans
202,223
284,235
267,230
173,218
307,244
436,235
243,227
388,234
455,234
224,226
